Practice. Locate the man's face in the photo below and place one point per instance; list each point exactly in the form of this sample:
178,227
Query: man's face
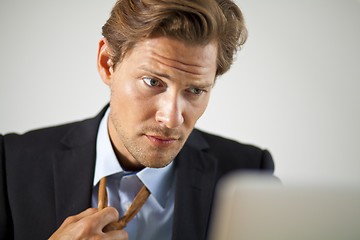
158,92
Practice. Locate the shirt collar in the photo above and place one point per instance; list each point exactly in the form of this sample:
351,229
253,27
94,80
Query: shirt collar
106,161
157,180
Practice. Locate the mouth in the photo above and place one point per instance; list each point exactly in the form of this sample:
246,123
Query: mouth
162,141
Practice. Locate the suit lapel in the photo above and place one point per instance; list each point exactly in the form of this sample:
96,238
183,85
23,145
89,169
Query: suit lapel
195,182
73,169
73,174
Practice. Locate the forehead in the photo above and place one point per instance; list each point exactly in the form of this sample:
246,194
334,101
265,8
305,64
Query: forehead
175,57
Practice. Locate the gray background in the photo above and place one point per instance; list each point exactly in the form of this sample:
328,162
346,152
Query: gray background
294,88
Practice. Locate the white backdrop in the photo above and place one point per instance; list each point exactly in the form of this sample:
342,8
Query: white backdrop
294,88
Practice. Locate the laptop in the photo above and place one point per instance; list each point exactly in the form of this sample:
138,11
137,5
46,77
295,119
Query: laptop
259,207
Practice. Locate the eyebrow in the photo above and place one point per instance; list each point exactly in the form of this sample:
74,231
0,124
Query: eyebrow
164,75
200,86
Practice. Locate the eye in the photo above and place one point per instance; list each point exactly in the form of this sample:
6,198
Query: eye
151,82
196,91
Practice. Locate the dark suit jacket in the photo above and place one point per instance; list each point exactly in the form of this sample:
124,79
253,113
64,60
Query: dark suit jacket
46,175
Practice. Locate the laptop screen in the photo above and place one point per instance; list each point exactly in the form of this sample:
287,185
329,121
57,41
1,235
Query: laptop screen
255,207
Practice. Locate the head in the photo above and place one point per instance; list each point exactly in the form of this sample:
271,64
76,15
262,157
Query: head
160,60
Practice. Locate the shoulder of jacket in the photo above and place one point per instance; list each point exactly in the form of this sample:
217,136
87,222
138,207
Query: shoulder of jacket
222,143
45,139
232,154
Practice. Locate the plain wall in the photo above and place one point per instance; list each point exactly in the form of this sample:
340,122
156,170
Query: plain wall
293,89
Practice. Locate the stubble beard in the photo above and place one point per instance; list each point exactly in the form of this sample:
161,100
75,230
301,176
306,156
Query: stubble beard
146,154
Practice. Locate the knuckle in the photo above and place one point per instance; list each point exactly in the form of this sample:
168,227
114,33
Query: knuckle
113,212
69,220
91,210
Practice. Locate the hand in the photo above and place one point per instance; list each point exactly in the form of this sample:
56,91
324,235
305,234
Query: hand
89,225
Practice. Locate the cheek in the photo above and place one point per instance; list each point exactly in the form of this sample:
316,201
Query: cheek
194,111
125,93
131,103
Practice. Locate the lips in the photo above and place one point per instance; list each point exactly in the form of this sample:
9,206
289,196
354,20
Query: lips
161,141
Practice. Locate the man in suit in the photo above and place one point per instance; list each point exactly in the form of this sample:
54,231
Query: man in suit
160,60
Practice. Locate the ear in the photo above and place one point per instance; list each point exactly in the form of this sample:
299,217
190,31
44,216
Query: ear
104,63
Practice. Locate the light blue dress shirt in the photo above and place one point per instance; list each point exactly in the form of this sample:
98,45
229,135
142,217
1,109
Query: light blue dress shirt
155,219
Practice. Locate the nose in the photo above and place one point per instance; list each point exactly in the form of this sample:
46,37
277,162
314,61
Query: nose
170,110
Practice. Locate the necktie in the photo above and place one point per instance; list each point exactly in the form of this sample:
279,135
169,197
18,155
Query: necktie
134,208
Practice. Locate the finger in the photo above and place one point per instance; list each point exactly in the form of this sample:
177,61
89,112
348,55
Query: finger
106,216
86,213
117,235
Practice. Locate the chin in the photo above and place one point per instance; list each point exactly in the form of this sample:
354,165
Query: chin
156,163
